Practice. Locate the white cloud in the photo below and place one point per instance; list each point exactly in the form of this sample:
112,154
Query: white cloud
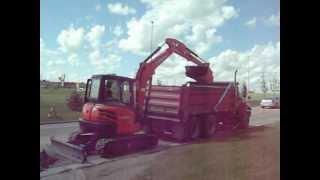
70,39
55,62
73,59
94,35
120,9
104,64
98,7
174,66
48,56
273,20
95,58
189,21
75,77
257,59
117,30
251,23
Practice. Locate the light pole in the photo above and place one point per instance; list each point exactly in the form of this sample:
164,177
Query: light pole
248,86
151,36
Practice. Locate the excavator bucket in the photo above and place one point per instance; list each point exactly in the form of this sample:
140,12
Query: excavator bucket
198,73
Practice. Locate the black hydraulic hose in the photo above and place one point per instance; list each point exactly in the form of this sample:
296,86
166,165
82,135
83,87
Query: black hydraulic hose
153,53
192,52
195,54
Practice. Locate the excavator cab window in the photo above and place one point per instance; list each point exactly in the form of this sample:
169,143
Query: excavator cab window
126,93
93,89
111,90
117,90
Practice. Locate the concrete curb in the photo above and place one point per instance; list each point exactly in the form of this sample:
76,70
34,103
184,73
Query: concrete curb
58,122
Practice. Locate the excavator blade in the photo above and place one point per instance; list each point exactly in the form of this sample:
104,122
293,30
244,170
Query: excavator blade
69,151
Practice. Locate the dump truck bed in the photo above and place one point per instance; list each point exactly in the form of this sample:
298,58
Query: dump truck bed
173,101
168,107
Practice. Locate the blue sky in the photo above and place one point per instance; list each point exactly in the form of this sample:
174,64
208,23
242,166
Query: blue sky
81,38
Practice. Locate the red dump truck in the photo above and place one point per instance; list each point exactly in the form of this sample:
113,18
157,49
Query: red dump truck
195,110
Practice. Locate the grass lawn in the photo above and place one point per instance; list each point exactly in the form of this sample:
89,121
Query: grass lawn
58,96
247,156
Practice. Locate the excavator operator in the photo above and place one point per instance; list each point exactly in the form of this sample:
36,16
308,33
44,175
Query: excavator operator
108,91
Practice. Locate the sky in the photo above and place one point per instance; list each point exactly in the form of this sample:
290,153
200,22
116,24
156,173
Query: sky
82,38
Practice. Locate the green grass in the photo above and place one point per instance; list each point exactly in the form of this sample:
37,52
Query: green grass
260,96
57,97
248,155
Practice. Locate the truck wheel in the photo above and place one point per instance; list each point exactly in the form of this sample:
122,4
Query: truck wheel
195,130
179,133
210,126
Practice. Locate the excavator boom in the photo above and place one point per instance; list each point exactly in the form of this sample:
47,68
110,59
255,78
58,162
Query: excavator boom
200,73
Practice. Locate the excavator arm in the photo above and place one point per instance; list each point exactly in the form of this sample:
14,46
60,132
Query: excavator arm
201,72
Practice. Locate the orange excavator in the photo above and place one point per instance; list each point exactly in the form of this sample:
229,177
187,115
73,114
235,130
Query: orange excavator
121,115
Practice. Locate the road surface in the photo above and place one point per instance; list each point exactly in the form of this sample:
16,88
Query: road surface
259,117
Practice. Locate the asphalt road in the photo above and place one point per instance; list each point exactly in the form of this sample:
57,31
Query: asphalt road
259,117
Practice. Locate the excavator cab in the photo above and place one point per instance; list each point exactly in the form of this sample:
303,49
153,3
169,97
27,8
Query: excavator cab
109,103
107,89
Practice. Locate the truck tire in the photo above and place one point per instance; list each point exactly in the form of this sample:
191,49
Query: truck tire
179,133
195,130
210,125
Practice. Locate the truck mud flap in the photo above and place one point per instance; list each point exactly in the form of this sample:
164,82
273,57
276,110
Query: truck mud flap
69,151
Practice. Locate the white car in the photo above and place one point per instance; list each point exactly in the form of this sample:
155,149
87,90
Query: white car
270,103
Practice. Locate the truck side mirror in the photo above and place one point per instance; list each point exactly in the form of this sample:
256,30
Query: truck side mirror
245,93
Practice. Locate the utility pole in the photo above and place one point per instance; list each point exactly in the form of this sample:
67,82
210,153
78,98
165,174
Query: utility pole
151,36
248,85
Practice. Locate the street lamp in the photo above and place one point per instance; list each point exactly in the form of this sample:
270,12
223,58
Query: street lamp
151,36
248,86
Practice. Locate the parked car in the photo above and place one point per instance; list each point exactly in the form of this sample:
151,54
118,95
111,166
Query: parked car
273,102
